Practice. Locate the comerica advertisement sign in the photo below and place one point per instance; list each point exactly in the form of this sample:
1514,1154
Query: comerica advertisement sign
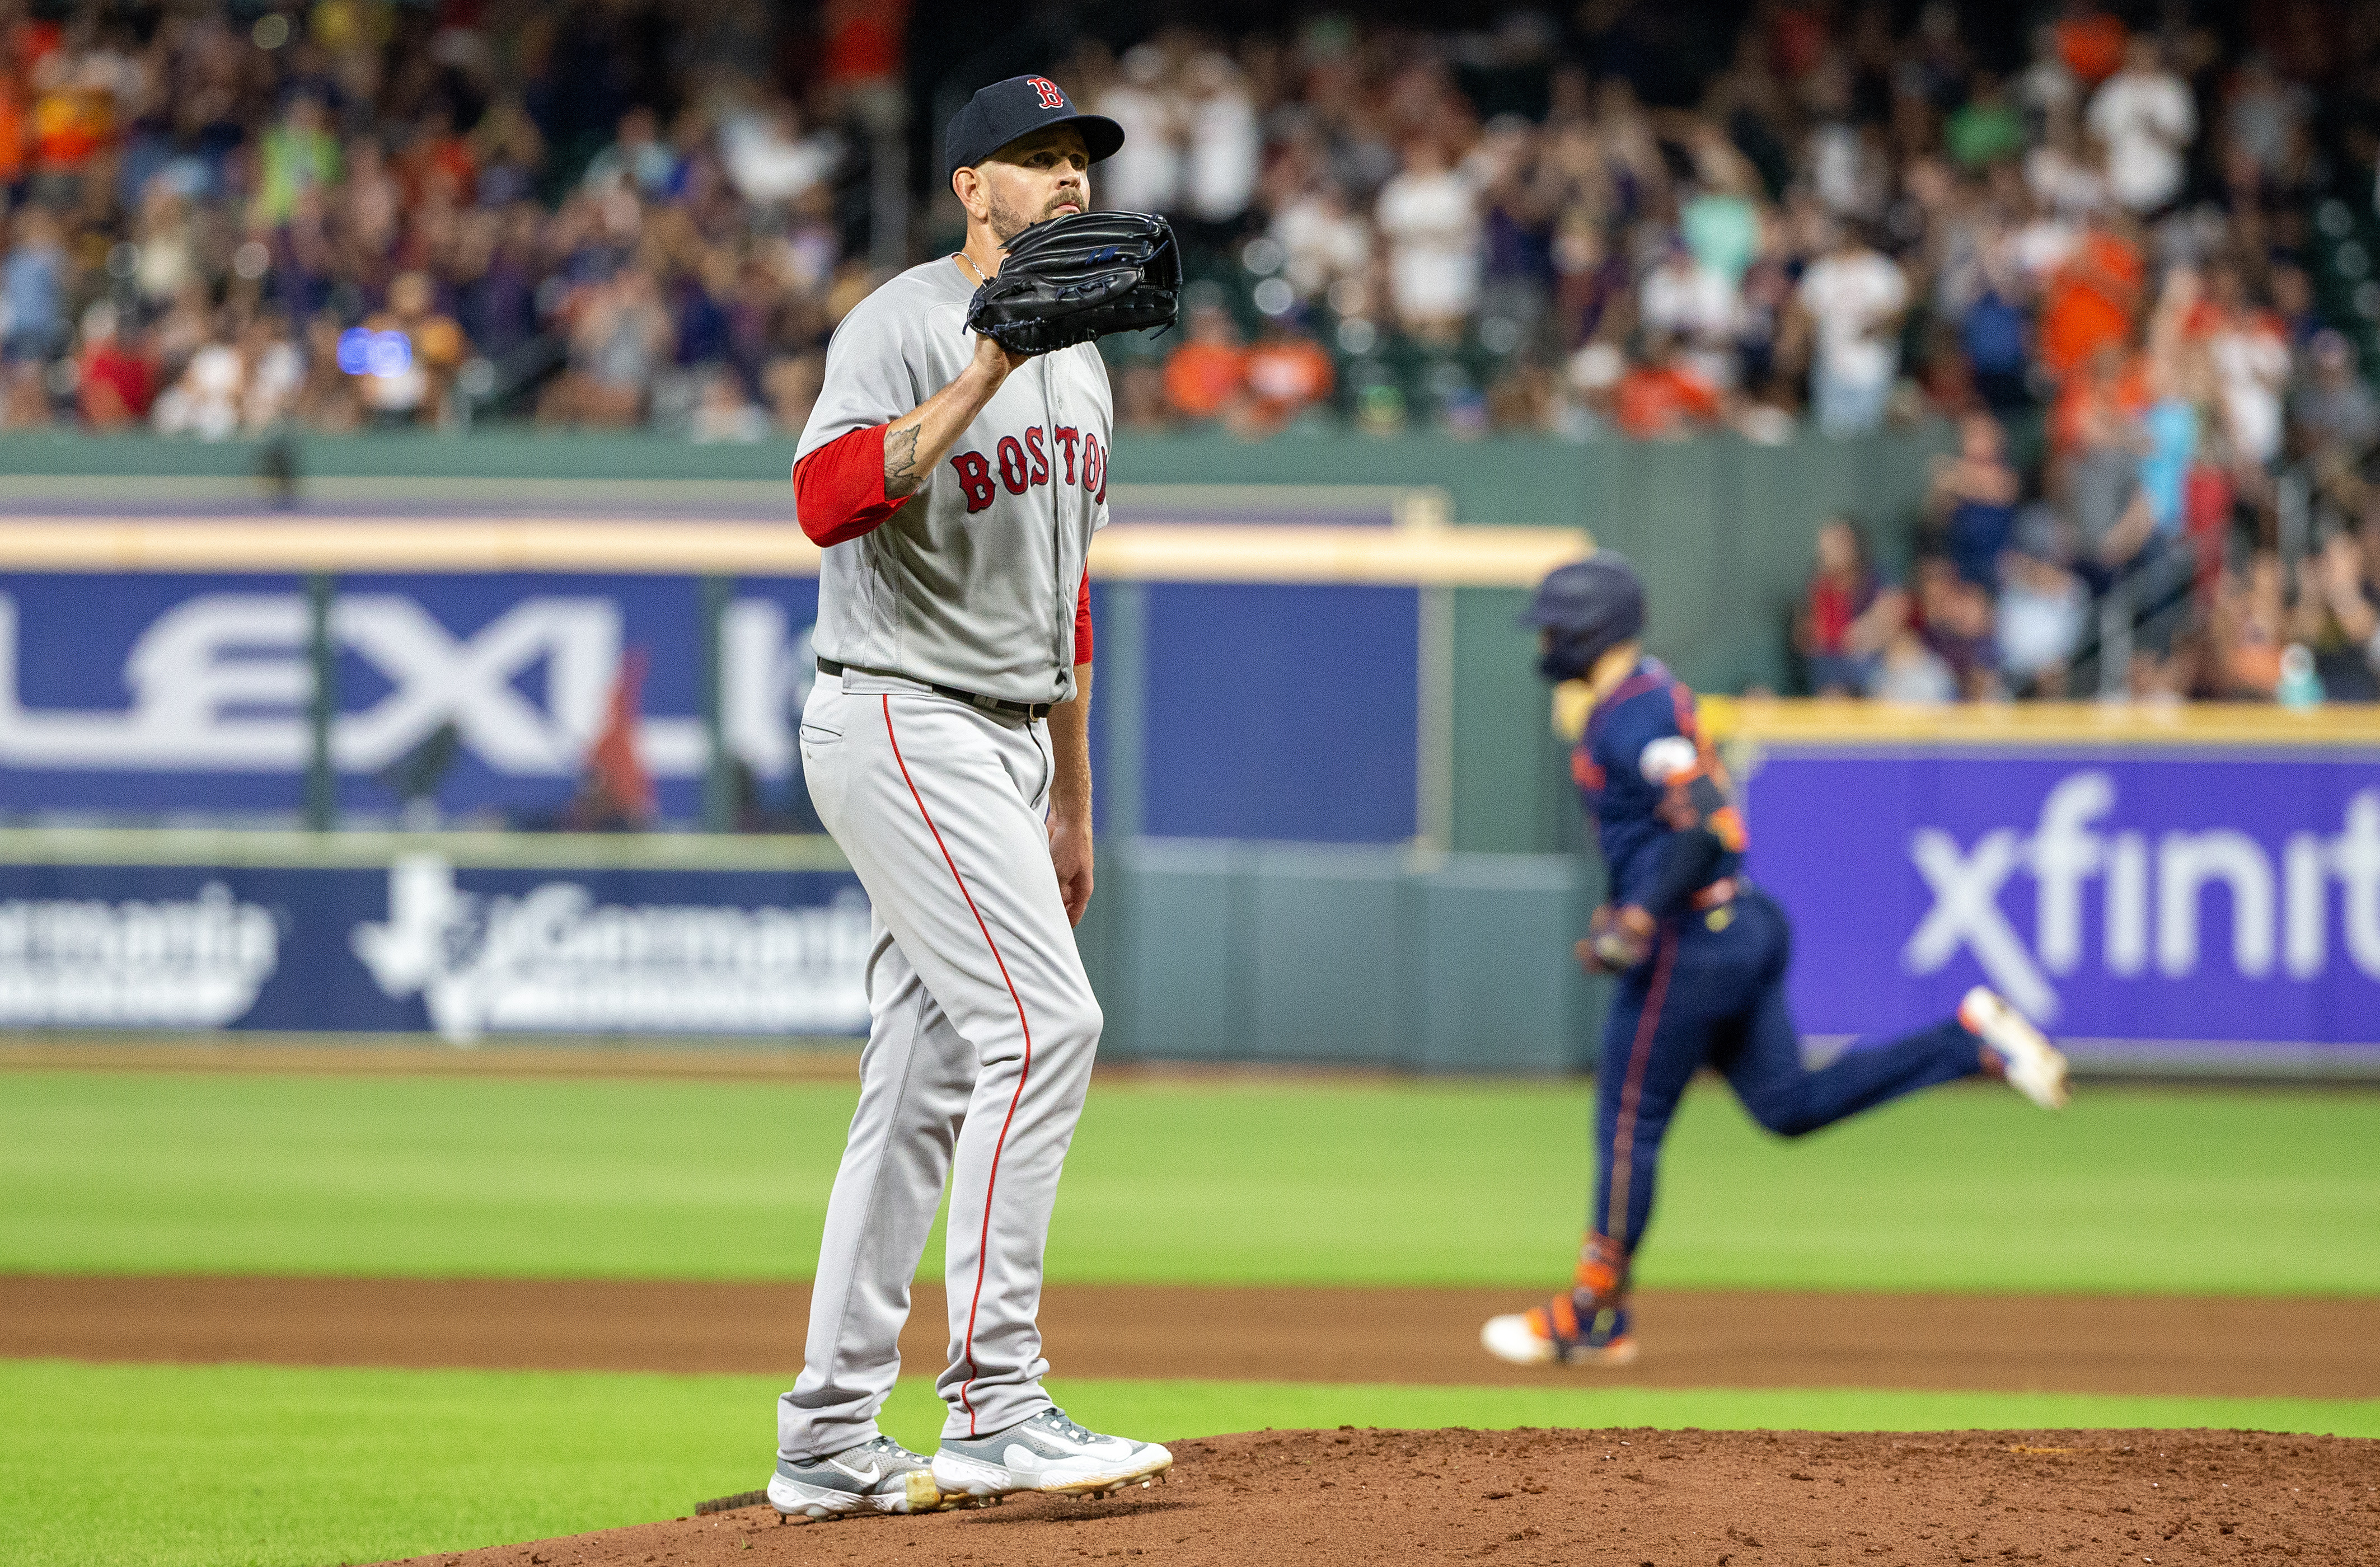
422,944
2149,902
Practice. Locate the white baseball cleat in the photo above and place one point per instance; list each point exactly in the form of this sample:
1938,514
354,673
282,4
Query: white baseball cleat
874,1477
2033,1066
1048,1452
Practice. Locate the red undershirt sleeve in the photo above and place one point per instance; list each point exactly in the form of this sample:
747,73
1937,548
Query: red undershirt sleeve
1083,622
839,489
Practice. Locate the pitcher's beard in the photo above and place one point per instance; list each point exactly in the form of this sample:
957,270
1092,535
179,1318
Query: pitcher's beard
1007,222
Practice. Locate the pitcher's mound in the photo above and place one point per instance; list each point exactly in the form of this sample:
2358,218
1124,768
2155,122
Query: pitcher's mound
1627,1497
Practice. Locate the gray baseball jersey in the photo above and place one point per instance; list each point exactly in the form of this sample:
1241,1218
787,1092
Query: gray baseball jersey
972,584
983,1024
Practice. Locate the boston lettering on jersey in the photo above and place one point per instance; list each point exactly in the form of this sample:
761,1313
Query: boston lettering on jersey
1022,464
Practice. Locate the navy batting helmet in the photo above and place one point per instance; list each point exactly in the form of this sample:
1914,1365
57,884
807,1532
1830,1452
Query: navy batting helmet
1590,607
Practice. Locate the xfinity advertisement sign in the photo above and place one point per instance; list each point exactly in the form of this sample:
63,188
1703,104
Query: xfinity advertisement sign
2137,899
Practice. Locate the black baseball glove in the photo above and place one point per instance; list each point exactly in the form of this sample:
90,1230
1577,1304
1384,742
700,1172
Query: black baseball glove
1080,278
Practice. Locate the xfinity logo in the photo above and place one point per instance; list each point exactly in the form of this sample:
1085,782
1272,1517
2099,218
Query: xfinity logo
2153,897
220,683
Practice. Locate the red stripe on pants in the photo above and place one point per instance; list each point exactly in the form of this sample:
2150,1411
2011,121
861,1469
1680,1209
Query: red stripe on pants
983,1241
1623,1140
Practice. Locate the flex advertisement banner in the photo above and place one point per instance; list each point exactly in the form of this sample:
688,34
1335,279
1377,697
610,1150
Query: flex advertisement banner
159,694
2137,901
1276,711
423,944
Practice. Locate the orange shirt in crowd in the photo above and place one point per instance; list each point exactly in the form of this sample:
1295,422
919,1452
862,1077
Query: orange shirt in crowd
2083,394
2089,302
71,123
16,129
1655,401
1201,377
2092,46
1287,374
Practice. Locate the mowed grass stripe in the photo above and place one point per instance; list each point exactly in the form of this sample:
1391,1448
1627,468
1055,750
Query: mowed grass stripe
271,1466
1970,1188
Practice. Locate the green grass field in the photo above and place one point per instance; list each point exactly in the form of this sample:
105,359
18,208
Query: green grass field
1420,1183
279,1466
1966,1189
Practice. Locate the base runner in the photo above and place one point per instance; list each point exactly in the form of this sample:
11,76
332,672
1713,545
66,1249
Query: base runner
955,484
1701,955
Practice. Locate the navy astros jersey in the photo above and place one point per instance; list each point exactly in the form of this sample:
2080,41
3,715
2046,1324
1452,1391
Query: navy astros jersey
1637,767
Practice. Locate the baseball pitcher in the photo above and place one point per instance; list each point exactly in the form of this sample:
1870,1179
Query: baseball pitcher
954,469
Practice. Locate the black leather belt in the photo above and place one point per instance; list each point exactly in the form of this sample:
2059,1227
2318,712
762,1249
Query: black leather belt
1026,710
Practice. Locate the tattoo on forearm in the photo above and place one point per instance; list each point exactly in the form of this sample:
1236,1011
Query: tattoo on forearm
900,475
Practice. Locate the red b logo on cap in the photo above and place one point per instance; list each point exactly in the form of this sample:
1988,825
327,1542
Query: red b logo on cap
1050,97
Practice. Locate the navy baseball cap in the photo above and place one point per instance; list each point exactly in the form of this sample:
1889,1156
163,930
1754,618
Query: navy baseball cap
998,114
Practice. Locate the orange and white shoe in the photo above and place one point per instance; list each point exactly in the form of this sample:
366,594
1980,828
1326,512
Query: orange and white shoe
2033,1066
1573,1329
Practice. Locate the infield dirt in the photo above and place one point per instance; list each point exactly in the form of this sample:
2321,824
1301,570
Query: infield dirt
1624,1498
2202,1346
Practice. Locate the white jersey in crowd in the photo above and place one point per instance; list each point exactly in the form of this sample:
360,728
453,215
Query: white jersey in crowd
973,583
1849,297
2146,120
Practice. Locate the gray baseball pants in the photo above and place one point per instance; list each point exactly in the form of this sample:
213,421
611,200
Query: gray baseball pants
982,1027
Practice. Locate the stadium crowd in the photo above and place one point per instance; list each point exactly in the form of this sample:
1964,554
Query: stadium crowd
2096,253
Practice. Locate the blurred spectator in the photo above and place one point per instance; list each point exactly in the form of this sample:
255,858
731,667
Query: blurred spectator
1430,222
2090,299
204,400
1696,304
410,365
1145,176
32,290
2251,629
1286,372
2343,601
2042,615
1665,398
1322,243
1954,618
2335,412
1223,146
620,338
723,413
114,384
299,154
2250,353
1854,297
1974,497
1848,614
2144,117
768,158
1911,672
327,398
273,371
1205,375
639,159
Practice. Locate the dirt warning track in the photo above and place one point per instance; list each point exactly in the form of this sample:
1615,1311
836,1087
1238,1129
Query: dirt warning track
2062,1344
1614,1499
